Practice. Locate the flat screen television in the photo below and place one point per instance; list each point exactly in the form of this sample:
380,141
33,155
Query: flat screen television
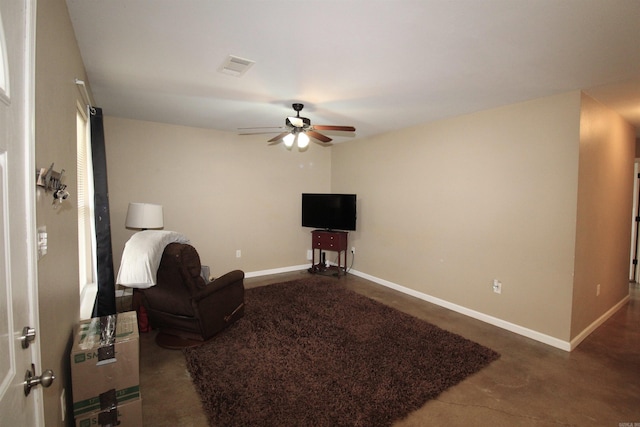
329,211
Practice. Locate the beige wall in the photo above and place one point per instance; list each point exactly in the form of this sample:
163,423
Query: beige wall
447,207
224,191
58,63
605,199
444,208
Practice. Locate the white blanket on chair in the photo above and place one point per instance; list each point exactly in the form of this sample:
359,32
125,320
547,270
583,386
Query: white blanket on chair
141,257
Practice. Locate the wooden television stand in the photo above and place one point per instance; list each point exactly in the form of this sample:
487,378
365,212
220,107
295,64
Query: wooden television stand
328,240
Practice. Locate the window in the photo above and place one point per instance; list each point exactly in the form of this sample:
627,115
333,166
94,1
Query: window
4,67
86,228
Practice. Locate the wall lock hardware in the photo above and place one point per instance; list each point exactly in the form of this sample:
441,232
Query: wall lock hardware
28,336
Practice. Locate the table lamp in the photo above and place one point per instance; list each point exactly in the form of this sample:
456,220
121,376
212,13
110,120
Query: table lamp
144,216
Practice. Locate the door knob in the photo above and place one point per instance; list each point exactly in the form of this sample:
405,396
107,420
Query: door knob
31,380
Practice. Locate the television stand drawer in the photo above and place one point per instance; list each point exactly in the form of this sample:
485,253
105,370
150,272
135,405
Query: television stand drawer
329,240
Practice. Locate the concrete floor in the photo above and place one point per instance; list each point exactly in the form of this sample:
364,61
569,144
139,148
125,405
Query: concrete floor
532,384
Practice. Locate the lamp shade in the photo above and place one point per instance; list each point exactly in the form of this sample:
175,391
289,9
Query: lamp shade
288,140
303,140
144,215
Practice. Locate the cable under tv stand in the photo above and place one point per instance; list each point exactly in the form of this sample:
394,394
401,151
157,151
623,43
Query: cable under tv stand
329,240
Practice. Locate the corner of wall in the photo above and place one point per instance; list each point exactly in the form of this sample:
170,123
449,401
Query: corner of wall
603,222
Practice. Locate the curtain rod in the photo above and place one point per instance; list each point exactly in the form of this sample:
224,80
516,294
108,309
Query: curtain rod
86,93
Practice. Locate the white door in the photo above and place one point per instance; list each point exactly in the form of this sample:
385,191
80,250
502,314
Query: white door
18,259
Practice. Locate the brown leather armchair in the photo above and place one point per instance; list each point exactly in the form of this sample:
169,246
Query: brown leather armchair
185,308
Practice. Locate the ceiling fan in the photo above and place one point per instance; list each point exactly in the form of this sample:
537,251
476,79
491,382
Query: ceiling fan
300,131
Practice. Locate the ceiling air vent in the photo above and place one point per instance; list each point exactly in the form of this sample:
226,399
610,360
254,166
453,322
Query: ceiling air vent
235,66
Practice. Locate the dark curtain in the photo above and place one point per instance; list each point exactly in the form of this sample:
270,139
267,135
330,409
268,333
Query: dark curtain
106,299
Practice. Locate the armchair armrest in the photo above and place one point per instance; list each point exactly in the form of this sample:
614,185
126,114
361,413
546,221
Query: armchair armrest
219,283
220,303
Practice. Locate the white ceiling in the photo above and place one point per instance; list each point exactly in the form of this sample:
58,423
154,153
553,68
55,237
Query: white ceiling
378,65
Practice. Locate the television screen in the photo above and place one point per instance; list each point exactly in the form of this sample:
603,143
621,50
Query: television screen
329,211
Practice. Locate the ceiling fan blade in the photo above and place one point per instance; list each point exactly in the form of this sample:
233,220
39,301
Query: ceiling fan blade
278,138
259,133
330,127
318,136
258,130
262,127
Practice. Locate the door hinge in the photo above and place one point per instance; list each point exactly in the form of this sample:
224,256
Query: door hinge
635,262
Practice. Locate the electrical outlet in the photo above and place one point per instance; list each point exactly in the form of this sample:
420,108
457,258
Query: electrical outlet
497,286
353,250
309,254
598,290
238,253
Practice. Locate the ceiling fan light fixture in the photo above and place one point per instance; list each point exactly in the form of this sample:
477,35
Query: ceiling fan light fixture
303,140
288,140
300,132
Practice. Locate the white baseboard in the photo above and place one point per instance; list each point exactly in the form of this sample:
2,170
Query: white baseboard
517,329
500,323
592,327
276,271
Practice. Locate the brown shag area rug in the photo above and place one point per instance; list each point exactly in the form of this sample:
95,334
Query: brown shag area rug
310,353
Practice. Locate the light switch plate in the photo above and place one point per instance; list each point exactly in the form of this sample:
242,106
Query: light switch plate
42,241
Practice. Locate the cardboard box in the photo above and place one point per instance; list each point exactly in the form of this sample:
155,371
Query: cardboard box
105,362
126,415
